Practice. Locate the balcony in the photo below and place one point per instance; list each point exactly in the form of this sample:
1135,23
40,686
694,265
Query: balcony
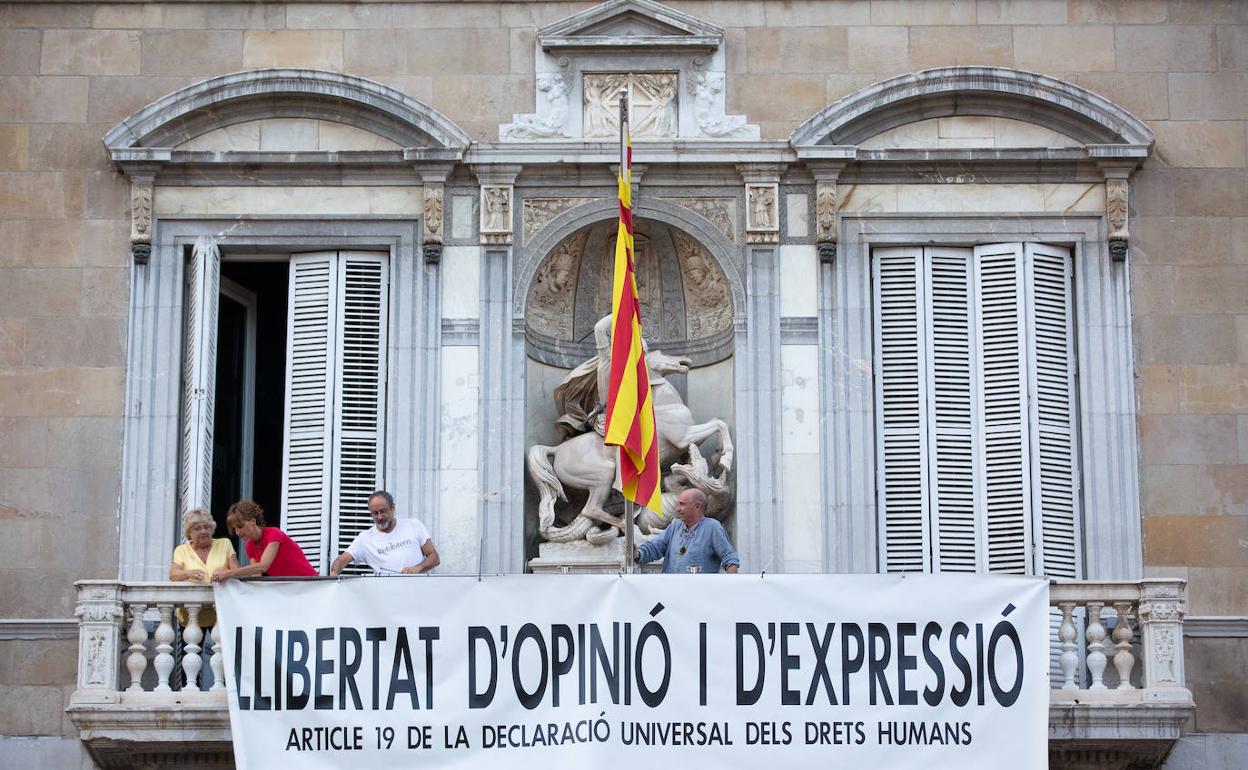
151,692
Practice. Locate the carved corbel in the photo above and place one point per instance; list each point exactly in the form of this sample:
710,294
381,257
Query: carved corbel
826,204
141,220
1116,200
434,205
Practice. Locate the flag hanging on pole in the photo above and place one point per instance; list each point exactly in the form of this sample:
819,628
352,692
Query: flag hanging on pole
630,409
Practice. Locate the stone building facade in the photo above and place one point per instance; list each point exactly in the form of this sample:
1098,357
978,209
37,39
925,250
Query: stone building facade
170,172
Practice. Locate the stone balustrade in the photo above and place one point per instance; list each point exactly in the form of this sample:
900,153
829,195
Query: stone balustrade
1118,693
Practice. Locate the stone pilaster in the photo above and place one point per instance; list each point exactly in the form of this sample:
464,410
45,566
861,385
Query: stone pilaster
100,614
1161,612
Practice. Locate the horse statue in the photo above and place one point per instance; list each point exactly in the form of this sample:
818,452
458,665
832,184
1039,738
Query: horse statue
583,461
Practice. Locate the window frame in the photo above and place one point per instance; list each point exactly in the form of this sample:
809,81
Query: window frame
150,518
1107,445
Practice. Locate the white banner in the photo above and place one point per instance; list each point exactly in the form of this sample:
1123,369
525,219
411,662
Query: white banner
880,671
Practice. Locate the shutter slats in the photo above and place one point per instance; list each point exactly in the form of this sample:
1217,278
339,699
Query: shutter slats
901,418
200,373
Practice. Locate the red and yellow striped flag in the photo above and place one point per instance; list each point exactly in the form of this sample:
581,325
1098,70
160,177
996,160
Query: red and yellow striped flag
630,409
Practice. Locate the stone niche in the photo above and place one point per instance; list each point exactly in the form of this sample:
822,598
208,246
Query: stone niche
687,310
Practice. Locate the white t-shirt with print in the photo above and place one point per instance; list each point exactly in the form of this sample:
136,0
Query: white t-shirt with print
389,552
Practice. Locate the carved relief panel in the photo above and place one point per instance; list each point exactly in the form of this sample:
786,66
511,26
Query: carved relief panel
652,104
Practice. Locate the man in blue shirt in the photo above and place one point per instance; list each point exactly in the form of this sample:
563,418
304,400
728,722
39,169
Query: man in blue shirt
692,543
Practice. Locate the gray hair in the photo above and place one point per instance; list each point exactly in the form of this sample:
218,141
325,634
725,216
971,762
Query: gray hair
389,498
699,497
195,516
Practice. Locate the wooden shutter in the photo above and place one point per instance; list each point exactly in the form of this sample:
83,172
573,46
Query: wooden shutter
901,410
203,275
1051,389
311,358
953,405
360,392
1001,344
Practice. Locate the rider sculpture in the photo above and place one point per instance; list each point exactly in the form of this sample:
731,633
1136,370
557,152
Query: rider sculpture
583,461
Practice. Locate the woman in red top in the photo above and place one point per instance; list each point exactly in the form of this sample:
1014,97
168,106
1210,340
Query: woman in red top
270,550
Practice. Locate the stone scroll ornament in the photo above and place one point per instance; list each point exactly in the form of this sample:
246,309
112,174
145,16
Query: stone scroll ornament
584,462
435,196
825,220
1116,196
141,222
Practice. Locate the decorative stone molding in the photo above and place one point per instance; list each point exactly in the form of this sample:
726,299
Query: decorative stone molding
1161,612
495,209
1116,200
302,93
536,213
31,629
630,25
653,110
551,121
707,90
434,203
826,205
141,219
100,613
984,91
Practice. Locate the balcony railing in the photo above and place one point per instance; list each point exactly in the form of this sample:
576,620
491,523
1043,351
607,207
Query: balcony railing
148,683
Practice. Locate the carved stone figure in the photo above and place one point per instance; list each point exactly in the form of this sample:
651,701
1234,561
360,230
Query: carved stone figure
706,89
761,207
583,461
495,209
554,290
719,210
537,212
553,89
652,103
708,305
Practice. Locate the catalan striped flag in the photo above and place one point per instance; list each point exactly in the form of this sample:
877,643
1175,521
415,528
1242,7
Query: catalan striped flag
630,408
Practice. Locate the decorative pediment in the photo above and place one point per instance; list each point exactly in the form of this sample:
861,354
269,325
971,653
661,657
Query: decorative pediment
630,25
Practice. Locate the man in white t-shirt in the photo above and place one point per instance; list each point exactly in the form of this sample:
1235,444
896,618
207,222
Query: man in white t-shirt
391,546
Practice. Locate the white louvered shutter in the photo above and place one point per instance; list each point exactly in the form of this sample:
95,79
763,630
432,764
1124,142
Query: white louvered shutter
901,411
1004,450
953,405
360,394
1051,389
311,357
203,276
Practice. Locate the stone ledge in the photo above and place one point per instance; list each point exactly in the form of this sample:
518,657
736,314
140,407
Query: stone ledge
1114,735
155,730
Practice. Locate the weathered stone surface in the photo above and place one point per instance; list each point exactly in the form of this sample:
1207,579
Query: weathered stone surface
69,147
40,712
38,392
41,15
780,97
1233,47
922,12
317,49
1213,289
19,51
1077,48
75,342
107,196
112,99
128,16
12,341
1214,390
339,16
23,442
1181,240
85,442
225,16
1201,144
1166,48
1194,490
89,52
34,292
726,13
1215,675
1217,590
43,99
375,51
46,661
1116,11
1211,192
1158,389
943,46
1207,12
819,13
474,15
1208,95
1195,541
1177,339
1021,12
14,148
476,99
882,50
202,53
1188,439
796,49
1145,95
64,243
459,52
101,391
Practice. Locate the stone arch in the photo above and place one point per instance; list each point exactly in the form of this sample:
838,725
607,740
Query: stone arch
980,91
286,93
545,240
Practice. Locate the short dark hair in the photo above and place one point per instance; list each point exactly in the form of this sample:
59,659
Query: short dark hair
383,493
244,510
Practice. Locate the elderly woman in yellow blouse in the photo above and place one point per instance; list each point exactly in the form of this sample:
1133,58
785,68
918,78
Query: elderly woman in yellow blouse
200,556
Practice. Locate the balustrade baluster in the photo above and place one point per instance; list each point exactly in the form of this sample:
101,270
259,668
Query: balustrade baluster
1096,646
1070,653
1124,661
217,661
191,637
136,662
164,647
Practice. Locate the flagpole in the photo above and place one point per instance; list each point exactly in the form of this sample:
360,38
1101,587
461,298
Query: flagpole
626,558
